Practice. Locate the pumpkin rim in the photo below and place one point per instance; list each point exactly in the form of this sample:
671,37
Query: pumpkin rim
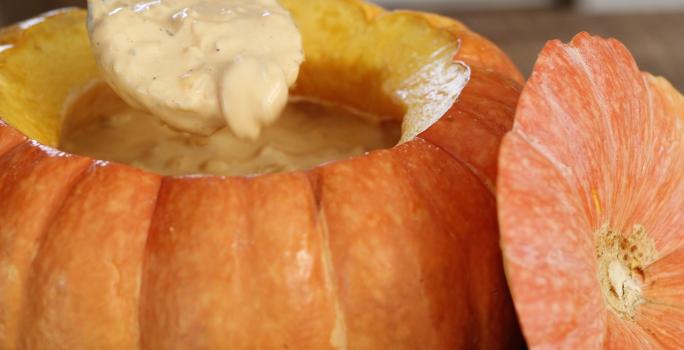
11,37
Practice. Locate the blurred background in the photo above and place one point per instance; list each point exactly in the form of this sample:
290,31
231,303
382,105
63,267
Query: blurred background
652,29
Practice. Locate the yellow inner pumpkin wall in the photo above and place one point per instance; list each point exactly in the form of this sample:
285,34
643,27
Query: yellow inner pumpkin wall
355,56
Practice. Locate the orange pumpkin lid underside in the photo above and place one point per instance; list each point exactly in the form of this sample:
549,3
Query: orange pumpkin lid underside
591,202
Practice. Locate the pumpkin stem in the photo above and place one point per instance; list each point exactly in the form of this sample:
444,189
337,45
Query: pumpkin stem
621,262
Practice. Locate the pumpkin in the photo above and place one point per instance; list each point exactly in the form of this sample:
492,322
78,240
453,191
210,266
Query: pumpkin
394,249
591,202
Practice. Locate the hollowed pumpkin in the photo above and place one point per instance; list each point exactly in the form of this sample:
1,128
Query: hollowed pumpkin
394,249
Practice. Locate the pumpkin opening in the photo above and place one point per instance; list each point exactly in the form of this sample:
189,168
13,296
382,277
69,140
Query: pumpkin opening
356,57
98,123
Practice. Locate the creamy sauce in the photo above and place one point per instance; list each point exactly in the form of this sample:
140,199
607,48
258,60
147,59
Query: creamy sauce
97,123
199,64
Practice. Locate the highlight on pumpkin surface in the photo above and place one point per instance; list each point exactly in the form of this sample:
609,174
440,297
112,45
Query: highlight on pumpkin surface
591,202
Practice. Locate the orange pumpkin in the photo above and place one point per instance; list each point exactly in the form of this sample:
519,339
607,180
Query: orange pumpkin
395,249
591,202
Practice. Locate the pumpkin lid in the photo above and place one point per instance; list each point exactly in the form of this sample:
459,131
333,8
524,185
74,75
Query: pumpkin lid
591,196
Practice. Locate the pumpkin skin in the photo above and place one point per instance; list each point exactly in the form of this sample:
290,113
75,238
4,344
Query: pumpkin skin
396,249
597,146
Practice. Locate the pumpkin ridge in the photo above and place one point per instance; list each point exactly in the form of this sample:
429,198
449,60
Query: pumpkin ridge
87,167
433,210
492,126
426,173
339,334
483,75
411,180
485,107
487,126
156,207
427,199
504,100
491,188
316,191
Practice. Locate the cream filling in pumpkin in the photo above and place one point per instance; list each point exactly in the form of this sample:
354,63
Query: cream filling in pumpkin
99,124
199,64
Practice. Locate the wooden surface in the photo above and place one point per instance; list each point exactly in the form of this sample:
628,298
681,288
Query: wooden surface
655,39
